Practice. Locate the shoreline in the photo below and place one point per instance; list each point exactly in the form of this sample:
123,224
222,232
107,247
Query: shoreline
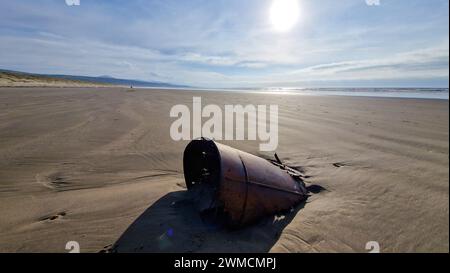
238,91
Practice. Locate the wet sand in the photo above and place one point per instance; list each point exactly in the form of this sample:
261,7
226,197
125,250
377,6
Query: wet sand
98,166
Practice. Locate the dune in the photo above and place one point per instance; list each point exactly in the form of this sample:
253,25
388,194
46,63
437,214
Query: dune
97,166
20,79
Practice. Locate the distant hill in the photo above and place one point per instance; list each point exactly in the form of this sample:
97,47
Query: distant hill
16,78
114,81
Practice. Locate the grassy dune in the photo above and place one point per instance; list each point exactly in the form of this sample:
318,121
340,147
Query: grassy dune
17,79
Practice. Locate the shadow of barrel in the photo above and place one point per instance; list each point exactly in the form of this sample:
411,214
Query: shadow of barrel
172,224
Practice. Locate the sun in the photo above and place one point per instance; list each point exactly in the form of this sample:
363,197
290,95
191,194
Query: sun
284,14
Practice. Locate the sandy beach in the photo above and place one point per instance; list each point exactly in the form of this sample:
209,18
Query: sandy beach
97,166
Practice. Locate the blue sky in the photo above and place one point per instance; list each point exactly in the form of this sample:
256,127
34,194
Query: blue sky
231,43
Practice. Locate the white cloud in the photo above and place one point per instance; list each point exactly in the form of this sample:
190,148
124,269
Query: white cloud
222,43
424,63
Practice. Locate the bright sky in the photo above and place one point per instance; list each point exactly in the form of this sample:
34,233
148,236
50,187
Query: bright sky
232,43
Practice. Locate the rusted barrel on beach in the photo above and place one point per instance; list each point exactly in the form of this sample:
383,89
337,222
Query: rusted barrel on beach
238,186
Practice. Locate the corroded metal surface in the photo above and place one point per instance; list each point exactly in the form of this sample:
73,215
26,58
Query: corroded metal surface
238,185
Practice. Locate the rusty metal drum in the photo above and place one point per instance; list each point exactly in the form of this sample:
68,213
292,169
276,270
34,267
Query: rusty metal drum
239,186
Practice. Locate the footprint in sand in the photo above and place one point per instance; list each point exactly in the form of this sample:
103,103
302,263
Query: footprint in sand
107,249
54,180
340,164
53,217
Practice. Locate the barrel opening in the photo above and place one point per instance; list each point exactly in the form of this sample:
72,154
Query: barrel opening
201,163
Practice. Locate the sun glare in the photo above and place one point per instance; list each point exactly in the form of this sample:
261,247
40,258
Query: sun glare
284,14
